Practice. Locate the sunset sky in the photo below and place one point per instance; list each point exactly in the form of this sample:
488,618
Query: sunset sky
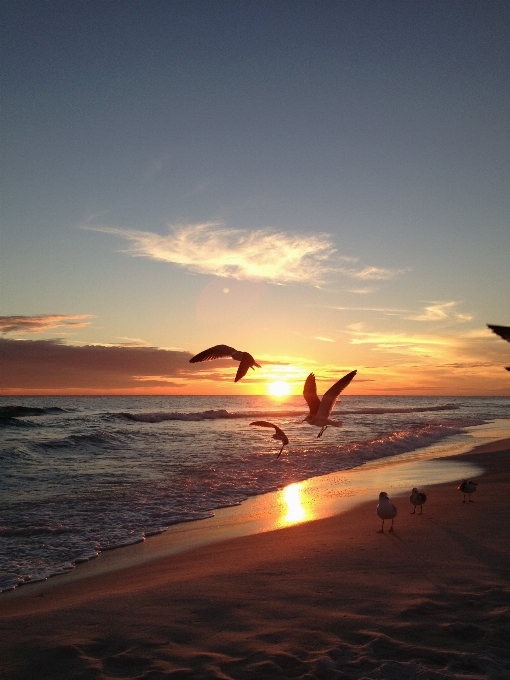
323,184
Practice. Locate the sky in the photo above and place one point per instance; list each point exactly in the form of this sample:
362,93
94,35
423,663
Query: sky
324,184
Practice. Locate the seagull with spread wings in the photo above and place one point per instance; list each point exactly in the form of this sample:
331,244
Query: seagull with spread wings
279,434
222,351
320,409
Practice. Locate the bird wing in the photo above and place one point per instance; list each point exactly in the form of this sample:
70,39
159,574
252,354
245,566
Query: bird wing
216,352
310,394
280,433
502,331
246,362
329,399
264,423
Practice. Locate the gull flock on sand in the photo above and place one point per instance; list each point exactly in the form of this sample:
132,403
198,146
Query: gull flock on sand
319,416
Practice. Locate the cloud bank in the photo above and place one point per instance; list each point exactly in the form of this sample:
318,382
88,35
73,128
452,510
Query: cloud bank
53,365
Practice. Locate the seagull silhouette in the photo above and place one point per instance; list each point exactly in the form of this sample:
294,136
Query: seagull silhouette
417,498
386,510
503,332
222,351
279,434
320,410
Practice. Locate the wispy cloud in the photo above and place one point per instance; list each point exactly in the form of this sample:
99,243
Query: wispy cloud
320,337
259,255
403,343
211,248
433,312
42,322
447,348
374,273
382,310
441,311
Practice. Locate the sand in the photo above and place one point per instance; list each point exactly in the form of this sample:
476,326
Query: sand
330,598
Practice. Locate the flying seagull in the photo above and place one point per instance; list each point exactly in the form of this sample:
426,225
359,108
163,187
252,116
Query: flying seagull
279,434
386,510
417,498
467,487
503,332
222,351
320,410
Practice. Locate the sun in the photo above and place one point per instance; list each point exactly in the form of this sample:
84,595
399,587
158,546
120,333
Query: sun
279,388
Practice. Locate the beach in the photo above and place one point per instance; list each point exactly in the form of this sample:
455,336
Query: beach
329,598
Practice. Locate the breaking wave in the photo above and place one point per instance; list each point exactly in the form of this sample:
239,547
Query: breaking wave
219,414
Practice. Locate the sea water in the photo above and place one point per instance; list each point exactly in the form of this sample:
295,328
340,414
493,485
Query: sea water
81,475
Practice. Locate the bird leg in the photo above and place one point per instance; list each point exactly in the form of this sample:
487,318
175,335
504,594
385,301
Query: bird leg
421,509
280,451
464,498
381,531
470,499
391,528
321,432
413,512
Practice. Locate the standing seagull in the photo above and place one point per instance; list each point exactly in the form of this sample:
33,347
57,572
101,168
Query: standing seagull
386,510
417,498
222,351
503,332
279,434
320,410
467,487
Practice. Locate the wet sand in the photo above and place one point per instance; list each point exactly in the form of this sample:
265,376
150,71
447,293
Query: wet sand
329,598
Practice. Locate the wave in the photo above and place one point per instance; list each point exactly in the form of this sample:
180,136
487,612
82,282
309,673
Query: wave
219,414
99,438
405,409
404,441
159,417
15,411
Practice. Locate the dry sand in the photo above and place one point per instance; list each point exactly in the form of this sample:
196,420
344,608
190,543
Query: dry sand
325,599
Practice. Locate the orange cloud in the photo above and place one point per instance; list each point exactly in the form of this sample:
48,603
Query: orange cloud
42,322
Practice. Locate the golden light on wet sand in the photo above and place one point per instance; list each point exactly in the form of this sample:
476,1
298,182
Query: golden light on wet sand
296,512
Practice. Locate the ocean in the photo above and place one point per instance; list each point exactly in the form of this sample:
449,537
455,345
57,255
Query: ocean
81,475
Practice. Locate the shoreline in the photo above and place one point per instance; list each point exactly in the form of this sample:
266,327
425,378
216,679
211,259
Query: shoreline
313,499
329,598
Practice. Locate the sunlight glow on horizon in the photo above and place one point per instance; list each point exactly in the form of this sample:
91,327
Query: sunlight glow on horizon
279,389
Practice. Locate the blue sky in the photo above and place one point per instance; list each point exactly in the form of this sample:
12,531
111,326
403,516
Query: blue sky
323,184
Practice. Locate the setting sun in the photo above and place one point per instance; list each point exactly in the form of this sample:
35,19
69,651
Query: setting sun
279,389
